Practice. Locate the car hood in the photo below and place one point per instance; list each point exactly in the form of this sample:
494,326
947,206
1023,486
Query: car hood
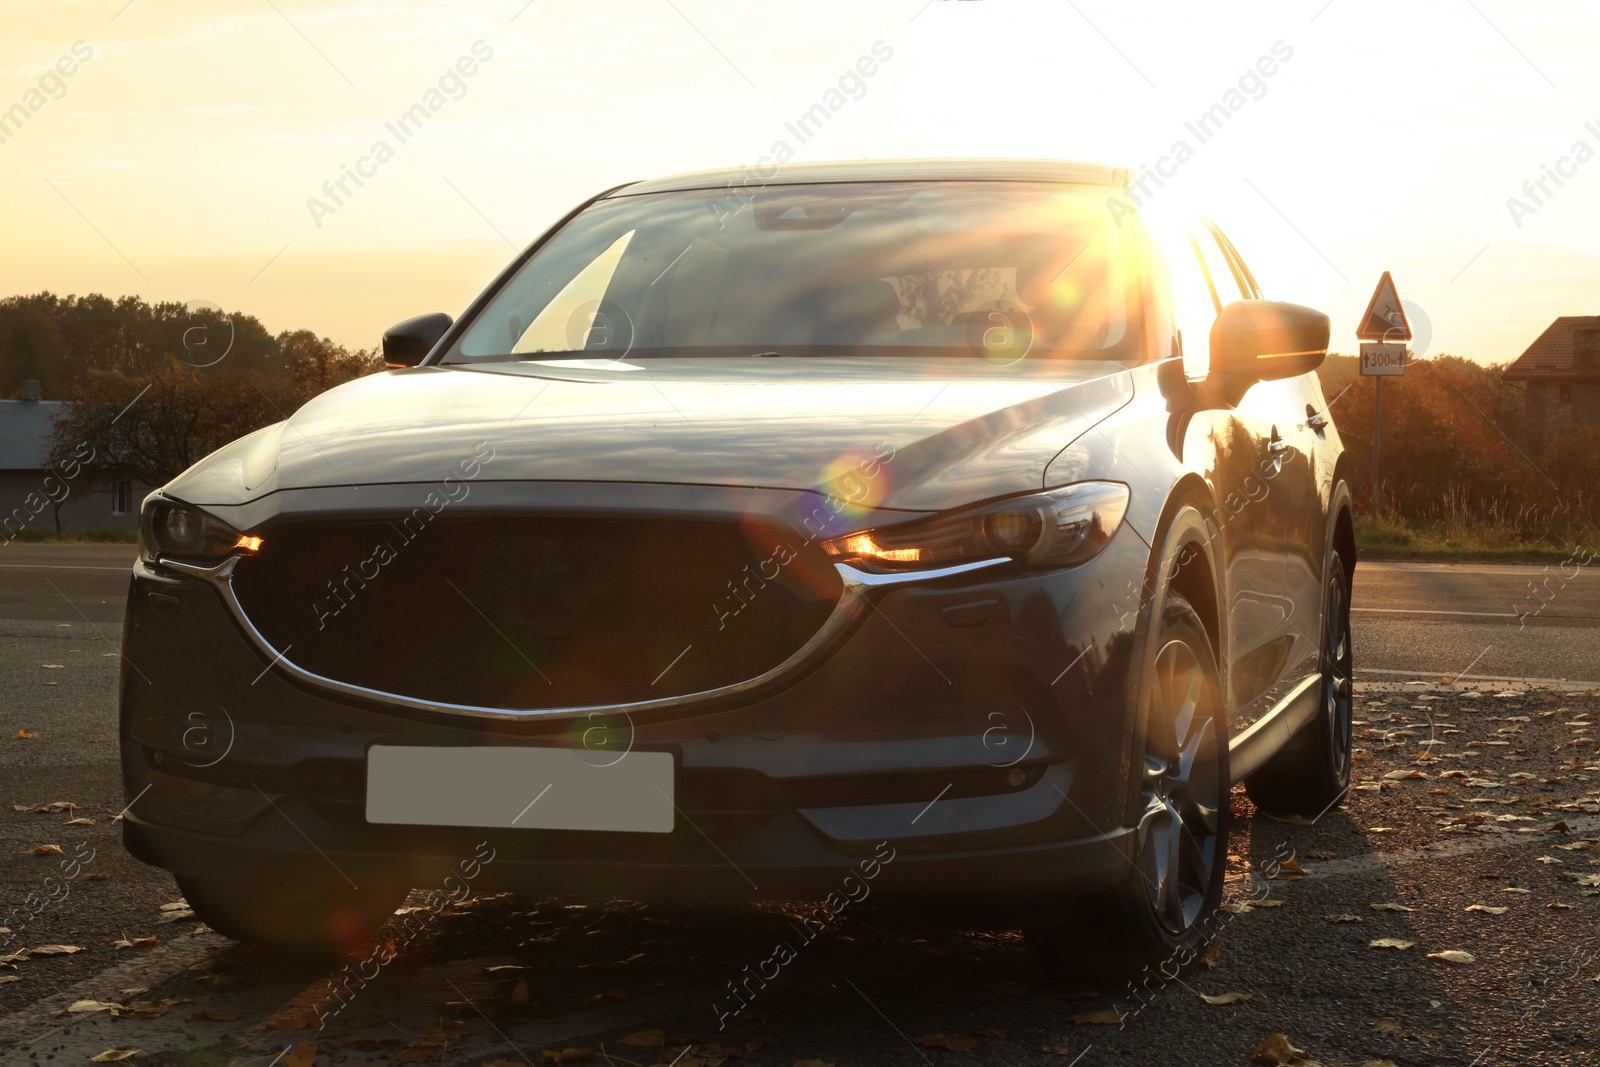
917,434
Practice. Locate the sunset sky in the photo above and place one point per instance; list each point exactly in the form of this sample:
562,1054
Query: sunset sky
176,162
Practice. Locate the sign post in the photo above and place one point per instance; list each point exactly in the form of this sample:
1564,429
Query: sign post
1383,333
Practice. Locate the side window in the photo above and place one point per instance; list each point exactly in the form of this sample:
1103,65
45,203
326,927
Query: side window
1225,274
1246,280
1194,305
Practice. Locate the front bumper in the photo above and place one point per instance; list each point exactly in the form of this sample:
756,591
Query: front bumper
910,733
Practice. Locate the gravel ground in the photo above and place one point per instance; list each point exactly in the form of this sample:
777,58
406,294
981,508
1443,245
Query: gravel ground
1503,812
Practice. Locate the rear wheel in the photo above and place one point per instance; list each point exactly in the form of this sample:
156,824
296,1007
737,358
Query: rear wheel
1310,773
1182,831
304,919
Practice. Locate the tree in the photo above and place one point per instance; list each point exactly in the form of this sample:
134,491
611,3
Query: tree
152,429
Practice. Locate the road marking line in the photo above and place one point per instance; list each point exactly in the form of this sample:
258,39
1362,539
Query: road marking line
1570,683
1430,611
62,567
1377,861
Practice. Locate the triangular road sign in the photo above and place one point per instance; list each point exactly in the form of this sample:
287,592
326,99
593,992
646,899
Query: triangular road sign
1385,319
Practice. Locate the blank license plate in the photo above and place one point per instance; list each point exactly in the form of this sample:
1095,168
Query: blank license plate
520,787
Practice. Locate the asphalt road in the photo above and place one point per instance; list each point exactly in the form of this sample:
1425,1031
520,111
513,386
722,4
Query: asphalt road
1504,812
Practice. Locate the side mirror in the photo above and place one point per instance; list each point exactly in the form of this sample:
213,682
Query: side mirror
1262,340
406,344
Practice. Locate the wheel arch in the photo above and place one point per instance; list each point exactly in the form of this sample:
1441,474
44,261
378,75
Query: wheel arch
1183,558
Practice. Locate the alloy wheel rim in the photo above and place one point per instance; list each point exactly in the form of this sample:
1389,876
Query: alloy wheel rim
1336,684
1182,792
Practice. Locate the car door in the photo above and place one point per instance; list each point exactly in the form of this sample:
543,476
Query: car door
1293,499
1244,529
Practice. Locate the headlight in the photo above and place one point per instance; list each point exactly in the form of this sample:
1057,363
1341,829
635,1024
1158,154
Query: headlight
179,531
1057,528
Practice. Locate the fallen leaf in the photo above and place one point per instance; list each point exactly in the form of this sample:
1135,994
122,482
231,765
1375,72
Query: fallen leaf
303,1021
1387,1026
1486,909
54,950
1404,775
115,1055
1451,955
150,1009
42,850
519,992
1344,918
303,1056
1226,998
952,1042
645,1038
1557,904
82,1007
1390,942
1276,1049
1266,903
4,978
1289,868
136,942
213,1015
1391,907
80,821
1104,1017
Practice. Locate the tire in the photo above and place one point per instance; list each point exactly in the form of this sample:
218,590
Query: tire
309,921
1163,915
1312,772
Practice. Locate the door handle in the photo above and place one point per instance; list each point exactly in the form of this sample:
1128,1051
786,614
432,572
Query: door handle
1317,421
1278,446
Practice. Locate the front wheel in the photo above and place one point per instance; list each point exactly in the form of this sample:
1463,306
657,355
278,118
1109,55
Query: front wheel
1312,772
1181,840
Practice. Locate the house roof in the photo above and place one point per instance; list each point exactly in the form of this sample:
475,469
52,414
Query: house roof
1550,355
25,428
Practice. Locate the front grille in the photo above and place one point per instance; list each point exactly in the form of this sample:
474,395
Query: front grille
530,613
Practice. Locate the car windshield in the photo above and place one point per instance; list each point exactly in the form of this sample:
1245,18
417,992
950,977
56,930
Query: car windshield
994,270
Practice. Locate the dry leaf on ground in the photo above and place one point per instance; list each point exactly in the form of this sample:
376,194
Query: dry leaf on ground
1451,955
1391,907
1226,998
42,850
1390,942
1289,868
54,950
1486,909
115,1055
1344,918
645,1039
135,942
1276,1049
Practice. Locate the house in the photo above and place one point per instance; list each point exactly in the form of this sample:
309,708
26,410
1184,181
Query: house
1562,369
35,496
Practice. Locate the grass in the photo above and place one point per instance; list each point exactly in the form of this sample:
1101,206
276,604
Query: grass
1386,539
33,535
